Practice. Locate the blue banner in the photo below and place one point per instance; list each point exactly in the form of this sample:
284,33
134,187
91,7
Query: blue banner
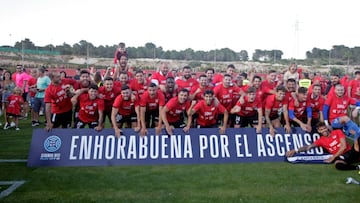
87,147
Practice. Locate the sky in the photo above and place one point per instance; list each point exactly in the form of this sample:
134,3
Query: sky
292,26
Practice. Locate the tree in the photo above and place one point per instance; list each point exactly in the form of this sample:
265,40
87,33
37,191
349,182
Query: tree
243,55
25,44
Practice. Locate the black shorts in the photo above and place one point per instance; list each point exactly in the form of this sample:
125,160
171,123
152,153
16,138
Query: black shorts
62,119
245,121
126,119
350,156
24,96
107,114
231,120
273,117
295,124
151,117
215,125
81,124
12,115
178,124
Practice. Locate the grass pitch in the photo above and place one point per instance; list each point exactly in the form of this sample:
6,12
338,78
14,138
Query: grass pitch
254,182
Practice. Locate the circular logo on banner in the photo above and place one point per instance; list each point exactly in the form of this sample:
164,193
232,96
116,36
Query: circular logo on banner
52,143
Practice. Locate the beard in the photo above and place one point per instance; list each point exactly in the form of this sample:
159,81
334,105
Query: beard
187,76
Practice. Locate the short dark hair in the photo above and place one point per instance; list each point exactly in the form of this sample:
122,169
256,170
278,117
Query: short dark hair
139,71
320,124
251,90
227,75
152,85
280,88
258,77
125,87
42,70
302,90
93,86
208,91
84,72
123,73
186,67
184,90
202,76
108,78
316,85
231,66
291,80
244,75
210,69
122,44
357,72
170,78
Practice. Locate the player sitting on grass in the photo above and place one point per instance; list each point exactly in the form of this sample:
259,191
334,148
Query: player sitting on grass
334,142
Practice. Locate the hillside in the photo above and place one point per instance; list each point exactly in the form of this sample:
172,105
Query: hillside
9,60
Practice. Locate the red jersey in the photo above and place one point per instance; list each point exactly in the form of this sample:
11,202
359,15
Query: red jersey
299,111
14,104
273,105
108,96
57,96
288,98
225,95
218,78
338,106
316,105
72,82
187,84
266,87
200,96
355,89
159,77
248,108
207,114
32,82
170,95
152,104
332,142
125,107
89,109
259,92
137,88
175,109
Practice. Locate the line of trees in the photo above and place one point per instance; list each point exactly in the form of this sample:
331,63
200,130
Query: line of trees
339,54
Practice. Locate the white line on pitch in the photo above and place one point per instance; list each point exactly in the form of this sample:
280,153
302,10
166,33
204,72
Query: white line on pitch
13,160
12,188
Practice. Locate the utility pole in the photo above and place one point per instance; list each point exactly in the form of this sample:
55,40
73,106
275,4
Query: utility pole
296,40
87,55
22,53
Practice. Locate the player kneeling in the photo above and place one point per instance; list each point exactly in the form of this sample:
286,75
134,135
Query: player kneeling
208,111
91,111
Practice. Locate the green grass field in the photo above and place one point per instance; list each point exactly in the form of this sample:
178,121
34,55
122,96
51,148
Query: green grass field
255,182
